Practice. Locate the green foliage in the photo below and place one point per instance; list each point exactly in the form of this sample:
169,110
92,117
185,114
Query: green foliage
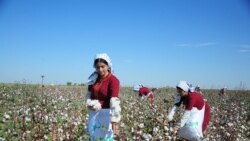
82,84
69,83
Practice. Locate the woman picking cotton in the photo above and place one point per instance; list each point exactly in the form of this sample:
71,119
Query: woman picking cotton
102,101
194,121
145,92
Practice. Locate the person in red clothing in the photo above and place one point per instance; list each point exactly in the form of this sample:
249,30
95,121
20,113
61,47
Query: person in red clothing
193,123
223,91
145,92
102,100
198,89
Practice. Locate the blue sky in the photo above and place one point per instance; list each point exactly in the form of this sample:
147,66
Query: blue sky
152,42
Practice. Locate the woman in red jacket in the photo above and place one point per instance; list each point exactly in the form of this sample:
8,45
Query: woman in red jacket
102,100
145,92
196,117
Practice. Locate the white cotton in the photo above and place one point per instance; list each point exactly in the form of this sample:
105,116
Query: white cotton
185,117
88,101
92,102
6,116
142,98
95,104
170,115
87,97
115,109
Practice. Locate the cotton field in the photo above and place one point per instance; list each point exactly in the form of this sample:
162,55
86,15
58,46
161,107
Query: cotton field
32,112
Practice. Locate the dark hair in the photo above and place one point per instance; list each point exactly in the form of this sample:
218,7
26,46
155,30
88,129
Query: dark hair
179,88
100,60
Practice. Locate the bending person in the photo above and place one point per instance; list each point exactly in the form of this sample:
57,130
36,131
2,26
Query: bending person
195,119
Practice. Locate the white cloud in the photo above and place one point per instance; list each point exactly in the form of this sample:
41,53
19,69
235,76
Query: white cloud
246,46
183,45
244,49
205,44
198,45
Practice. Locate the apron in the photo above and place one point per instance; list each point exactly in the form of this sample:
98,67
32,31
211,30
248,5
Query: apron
150,95
192,130
99,125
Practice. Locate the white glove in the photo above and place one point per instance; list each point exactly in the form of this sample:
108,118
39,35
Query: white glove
170,115
115,108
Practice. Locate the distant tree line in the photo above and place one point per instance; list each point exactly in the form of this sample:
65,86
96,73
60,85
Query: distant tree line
74,84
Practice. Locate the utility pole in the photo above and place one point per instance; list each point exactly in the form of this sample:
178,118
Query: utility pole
42,76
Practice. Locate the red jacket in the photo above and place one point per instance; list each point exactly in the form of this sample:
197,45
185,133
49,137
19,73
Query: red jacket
144,91
104,89
192,100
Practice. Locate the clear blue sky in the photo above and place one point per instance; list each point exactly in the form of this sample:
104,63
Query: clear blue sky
152,42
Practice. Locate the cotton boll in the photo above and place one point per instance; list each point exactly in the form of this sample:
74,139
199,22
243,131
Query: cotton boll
45,137
141,125
122,125
171,129
139,132
27,119
160,137
166,128
169,137
6,116
132,130
230,124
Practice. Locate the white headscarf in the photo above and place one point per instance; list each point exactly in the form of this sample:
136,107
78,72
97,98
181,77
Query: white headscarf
93,77
137,87
183,85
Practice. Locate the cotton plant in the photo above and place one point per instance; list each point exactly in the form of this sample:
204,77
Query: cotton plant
65,115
